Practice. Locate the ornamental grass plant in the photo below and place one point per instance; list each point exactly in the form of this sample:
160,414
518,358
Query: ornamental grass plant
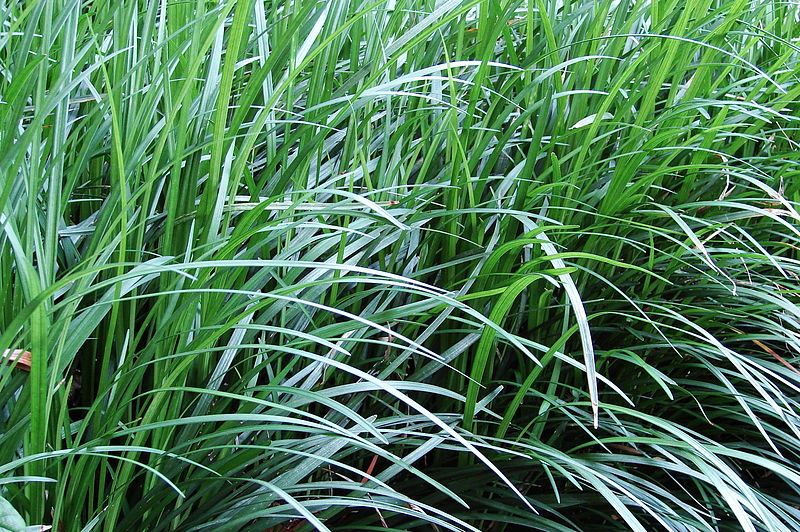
487,265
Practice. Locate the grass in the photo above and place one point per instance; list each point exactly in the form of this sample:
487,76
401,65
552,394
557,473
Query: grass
395,265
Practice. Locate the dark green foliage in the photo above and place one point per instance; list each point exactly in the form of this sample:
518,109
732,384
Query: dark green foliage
391,265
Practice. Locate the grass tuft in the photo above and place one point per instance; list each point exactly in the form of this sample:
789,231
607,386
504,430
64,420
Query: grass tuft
398,265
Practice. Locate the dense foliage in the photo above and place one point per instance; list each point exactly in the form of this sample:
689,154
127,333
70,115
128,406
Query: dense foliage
400,264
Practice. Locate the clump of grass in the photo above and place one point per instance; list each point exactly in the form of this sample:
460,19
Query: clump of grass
394,265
